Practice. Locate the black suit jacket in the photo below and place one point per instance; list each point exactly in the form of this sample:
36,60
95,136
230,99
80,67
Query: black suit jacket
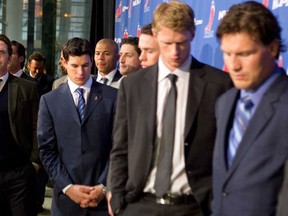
135,131
23,101
115,81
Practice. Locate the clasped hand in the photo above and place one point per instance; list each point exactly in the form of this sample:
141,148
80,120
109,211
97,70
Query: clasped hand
85,196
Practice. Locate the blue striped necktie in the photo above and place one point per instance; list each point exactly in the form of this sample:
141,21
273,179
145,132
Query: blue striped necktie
240,123
81,103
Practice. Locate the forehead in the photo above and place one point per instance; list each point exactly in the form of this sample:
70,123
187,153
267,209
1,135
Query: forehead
128,48
169,35
14,49
102,47
237,42
146,40
35,63
3,46
83,59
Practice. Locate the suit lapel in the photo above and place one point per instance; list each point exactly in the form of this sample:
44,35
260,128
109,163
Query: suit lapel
94,98
13,86
195,93
149,105
147,98
260,120
224,126
68,102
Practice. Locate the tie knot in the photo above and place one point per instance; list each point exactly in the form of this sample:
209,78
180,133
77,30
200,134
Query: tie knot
172,78
104,80
80,91
247,101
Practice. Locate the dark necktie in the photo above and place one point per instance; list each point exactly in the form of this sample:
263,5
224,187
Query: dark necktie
81,103
164,164
1,84
240,123
104,80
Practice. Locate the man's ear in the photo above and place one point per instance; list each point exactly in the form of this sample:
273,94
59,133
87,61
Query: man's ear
274,47
22,59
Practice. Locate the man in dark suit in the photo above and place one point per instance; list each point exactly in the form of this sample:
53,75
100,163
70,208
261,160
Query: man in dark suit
251,143
134,172
36,65
18,116
17,62
106,57
75,135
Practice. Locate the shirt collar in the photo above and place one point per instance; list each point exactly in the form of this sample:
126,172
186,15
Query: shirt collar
18,73
257,94
4,78
86,86
109,76
164,71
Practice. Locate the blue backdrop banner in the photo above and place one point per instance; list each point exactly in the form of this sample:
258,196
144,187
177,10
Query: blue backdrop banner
132,15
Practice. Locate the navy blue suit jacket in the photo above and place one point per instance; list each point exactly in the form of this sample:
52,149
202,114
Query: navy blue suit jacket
73,152
250,187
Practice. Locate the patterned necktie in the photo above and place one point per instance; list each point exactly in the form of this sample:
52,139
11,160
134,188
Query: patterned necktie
240,123
164,164
81,103
104,80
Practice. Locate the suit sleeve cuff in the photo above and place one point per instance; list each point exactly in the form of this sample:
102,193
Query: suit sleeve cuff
66,188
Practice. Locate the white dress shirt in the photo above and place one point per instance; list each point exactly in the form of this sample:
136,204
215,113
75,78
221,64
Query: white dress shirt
179,178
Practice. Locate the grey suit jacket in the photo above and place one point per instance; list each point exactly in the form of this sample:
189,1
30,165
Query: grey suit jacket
135,131
73,152
250,187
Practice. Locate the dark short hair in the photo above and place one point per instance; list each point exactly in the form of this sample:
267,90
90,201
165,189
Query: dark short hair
6,40
37,56
132,41
254,19
20,50
147,29
77,47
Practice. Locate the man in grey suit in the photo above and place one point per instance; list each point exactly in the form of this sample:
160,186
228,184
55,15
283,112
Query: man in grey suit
251,143
75,135
138,135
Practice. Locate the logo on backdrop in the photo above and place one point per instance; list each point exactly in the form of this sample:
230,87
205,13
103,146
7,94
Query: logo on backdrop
118,13
138,31
208,28
146,6
130,9
125,34
279,3
265,3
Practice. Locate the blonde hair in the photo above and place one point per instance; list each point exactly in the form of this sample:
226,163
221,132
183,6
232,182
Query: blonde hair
174,15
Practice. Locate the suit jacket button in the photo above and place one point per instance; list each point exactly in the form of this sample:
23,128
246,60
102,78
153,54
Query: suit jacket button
225,193
186,144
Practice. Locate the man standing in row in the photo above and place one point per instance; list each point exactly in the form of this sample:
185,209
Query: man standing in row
18,116
149,47
251,143
17,62
106,58
161,161
129,56
74,135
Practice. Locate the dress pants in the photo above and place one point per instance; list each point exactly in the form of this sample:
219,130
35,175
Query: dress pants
17,191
